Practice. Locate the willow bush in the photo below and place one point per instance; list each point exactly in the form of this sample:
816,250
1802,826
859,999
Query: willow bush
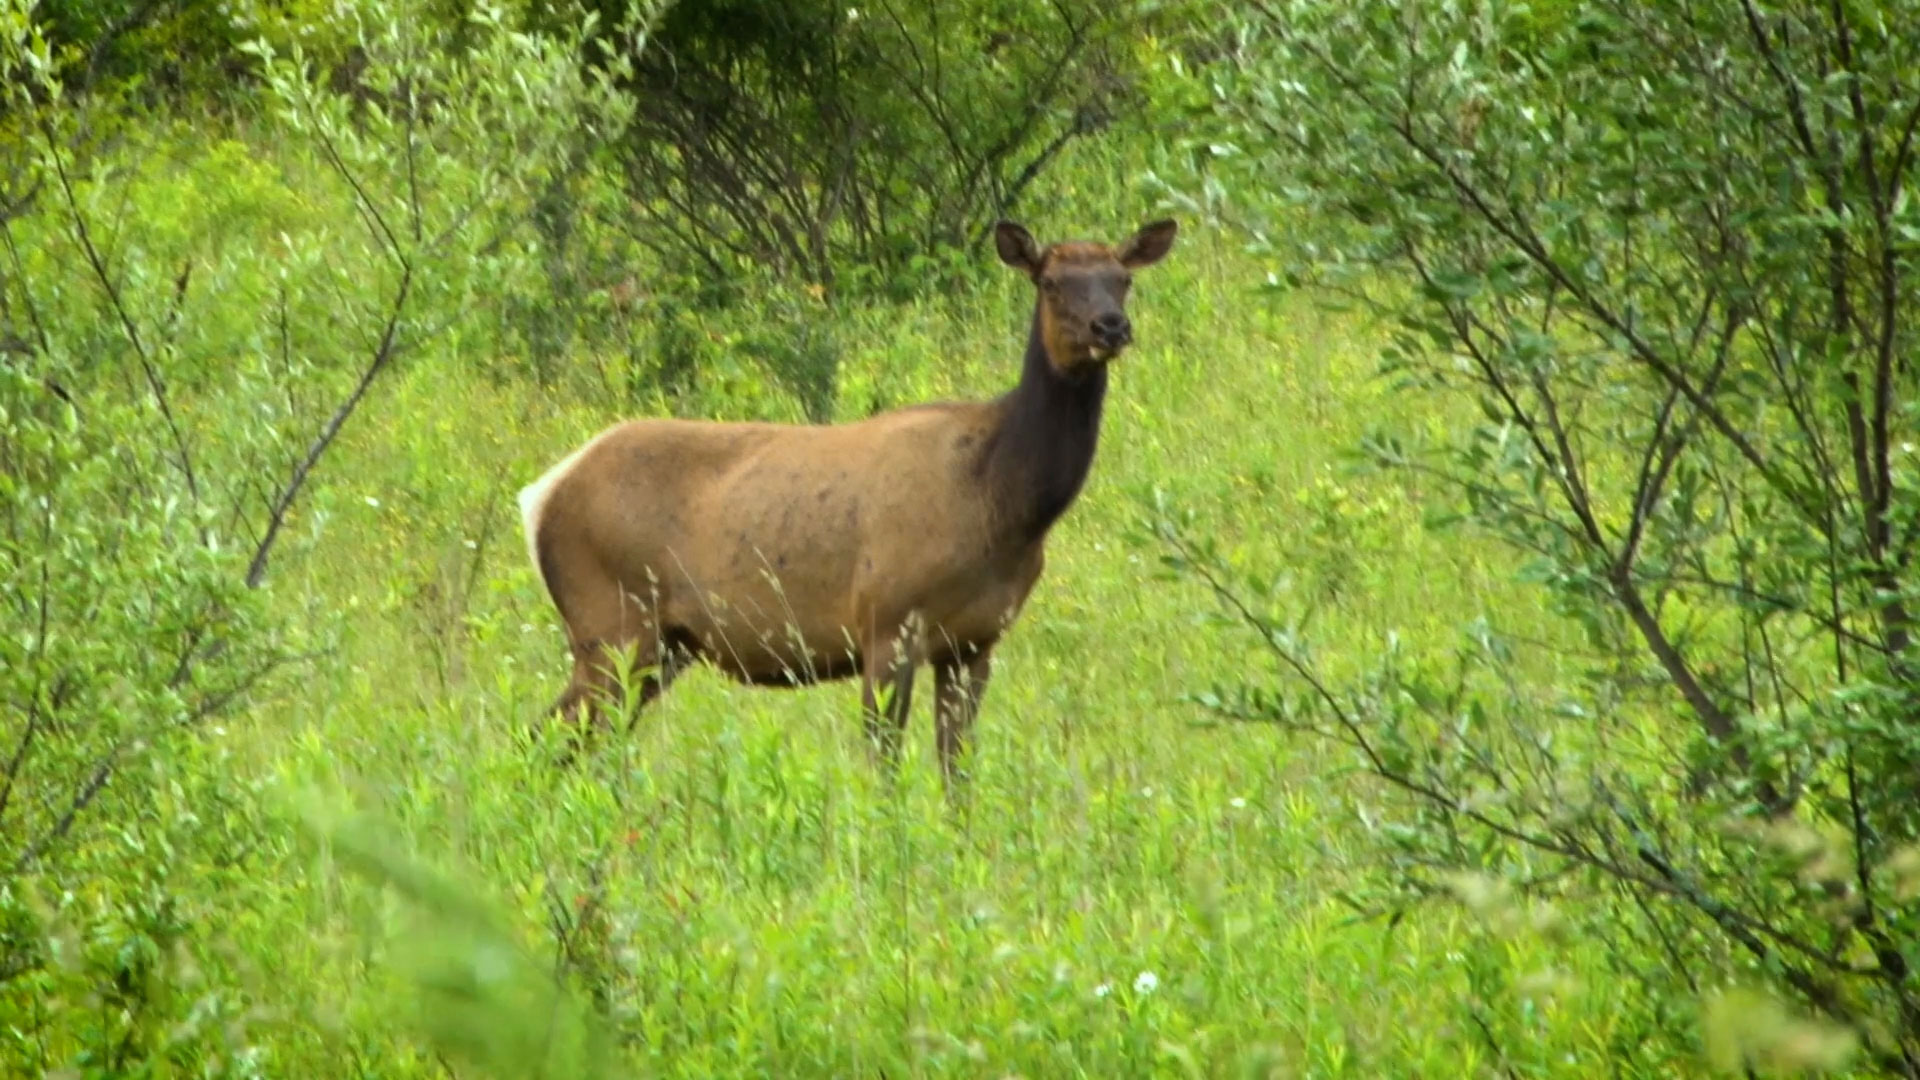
1665,253
179,352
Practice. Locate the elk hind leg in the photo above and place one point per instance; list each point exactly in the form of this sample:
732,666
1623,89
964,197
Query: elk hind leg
604,674
616,644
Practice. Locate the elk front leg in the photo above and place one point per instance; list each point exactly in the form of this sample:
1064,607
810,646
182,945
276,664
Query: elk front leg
888,674
960,681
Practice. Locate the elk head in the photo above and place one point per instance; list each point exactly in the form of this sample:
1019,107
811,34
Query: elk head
1083,290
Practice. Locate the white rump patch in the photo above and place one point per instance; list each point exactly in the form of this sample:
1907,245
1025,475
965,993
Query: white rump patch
533,500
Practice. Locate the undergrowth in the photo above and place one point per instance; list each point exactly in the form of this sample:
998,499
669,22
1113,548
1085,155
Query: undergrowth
370,870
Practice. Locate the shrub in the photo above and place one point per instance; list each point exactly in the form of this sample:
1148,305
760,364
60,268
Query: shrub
856,145
169,395
1664,250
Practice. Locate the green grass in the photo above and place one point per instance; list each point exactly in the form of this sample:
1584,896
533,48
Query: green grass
1133,892
756,901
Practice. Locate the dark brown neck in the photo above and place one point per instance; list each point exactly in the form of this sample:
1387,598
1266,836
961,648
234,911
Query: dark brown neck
1038,457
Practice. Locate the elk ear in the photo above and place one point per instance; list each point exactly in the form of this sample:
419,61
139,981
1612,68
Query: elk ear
1148,246
1017,247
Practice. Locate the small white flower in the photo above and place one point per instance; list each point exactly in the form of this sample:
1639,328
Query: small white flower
471,545
1146,983
373,502
526,628
853,14
1237,803
1103,990
1147,792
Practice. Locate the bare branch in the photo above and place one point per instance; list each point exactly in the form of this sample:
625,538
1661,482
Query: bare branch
382,356
103,277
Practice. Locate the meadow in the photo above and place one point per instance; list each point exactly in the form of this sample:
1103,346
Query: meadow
1134,890
332,838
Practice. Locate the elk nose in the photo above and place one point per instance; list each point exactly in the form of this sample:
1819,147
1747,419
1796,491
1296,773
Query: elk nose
1112,328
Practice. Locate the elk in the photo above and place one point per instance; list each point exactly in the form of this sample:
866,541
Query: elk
791,554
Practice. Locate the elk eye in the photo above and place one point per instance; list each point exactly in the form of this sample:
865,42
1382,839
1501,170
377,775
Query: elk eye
1050,284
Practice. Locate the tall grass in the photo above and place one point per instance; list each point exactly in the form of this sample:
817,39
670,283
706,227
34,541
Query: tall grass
730,890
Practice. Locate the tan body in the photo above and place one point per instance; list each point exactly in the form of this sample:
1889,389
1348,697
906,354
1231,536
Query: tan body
791,554
783,552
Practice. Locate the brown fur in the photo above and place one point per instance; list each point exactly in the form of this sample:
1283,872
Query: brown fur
790,554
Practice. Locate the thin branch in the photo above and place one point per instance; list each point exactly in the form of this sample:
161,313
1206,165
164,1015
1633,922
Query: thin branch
1653,478
104,278
105,767
42,606
26,294
376,221
1524,239
383,355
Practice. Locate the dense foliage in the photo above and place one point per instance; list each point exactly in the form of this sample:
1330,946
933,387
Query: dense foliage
169,398
879,139
1667,252
1576,725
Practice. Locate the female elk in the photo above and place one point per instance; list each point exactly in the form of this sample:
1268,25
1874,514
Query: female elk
791,554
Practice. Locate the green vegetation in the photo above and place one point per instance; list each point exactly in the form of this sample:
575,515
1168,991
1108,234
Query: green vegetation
1331,744
1665,254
